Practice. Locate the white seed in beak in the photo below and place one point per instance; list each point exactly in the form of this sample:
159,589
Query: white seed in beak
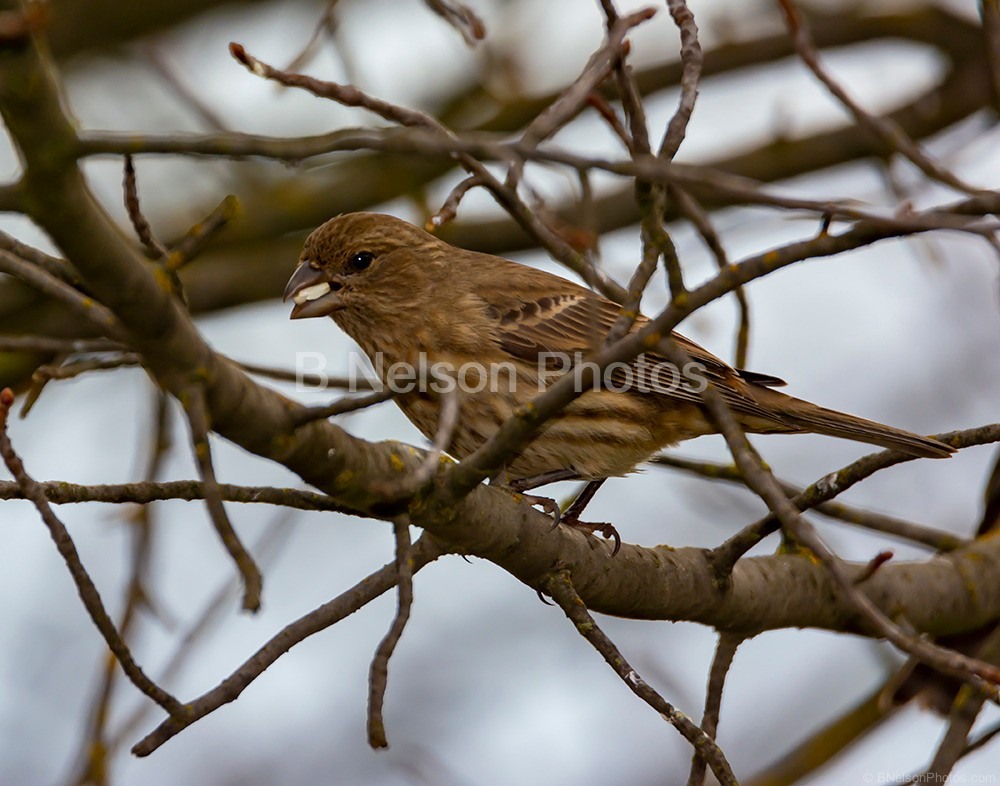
314,292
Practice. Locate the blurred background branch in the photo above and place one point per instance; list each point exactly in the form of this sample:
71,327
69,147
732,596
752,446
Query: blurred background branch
252,260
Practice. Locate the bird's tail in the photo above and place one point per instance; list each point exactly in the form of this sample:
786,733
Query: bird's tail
805,416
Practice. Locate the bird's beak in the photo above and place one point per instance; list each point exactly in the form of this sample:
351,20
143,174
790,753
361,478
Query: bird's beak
315,295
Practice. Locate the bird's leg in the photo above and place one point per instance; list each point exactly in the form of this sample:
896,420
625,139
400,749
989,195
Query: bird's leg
520,485
552,476
571,518
574,511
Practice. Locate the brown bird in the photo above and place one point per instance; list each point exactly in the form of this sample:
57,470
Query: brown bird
505,329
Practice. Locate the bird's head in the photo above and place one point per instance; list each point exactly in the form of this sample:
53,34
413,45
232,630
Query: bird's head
367,263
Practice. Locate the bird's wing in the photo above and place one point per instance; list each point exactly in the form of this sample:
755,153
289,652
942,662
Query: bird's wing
574,323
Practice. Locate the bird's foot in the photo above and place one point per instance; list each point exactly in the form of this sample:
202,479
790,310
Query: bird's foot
547,504
594,528
571,518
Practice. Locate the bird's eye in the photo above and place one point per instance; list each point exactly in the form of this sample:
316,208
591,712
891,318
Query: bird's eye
361,261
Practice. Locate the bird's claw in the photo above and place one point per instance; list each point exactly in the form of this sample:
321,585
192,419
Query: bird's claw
597,528
549,506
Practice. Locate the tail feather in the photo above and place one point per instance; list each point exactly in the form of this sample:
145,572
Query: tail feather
805,416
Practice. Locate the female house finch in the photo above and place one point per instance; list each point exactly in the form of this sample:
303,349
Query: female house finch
502,330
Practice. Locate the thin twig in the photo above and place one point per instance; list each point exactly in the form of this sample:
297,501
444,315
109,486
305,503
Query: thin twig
378,674
61,346
443,435
608,114
37,387
94,748
725,651
560,588
964,711
636,287
507,197
84,584
884,129
461,17
873,565
154,248
50,285
652,200
424,551
197,415
61,492
274,535
983,739
60,268
836,483
195,239
637,140
692,210
724,187
340,407
575,98
449,208
75,369
877,522
318,381
60,369
691,62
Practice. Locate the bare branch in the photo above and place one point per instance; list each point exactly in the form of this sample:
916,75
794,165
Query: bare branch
84,584
55,288
70,370
691,62
424,551
194,406
891,135
449,208
189,246
378,674
340,407
59,346
836,483
877,522
154,248
267,545
94,747
695,213
314,381
54,266
725,651
461,17
408,485
560,587
60,492
352,96
964,711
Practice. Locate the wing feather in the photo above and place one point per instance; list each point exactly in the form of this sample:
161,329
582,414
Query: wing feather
575,323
